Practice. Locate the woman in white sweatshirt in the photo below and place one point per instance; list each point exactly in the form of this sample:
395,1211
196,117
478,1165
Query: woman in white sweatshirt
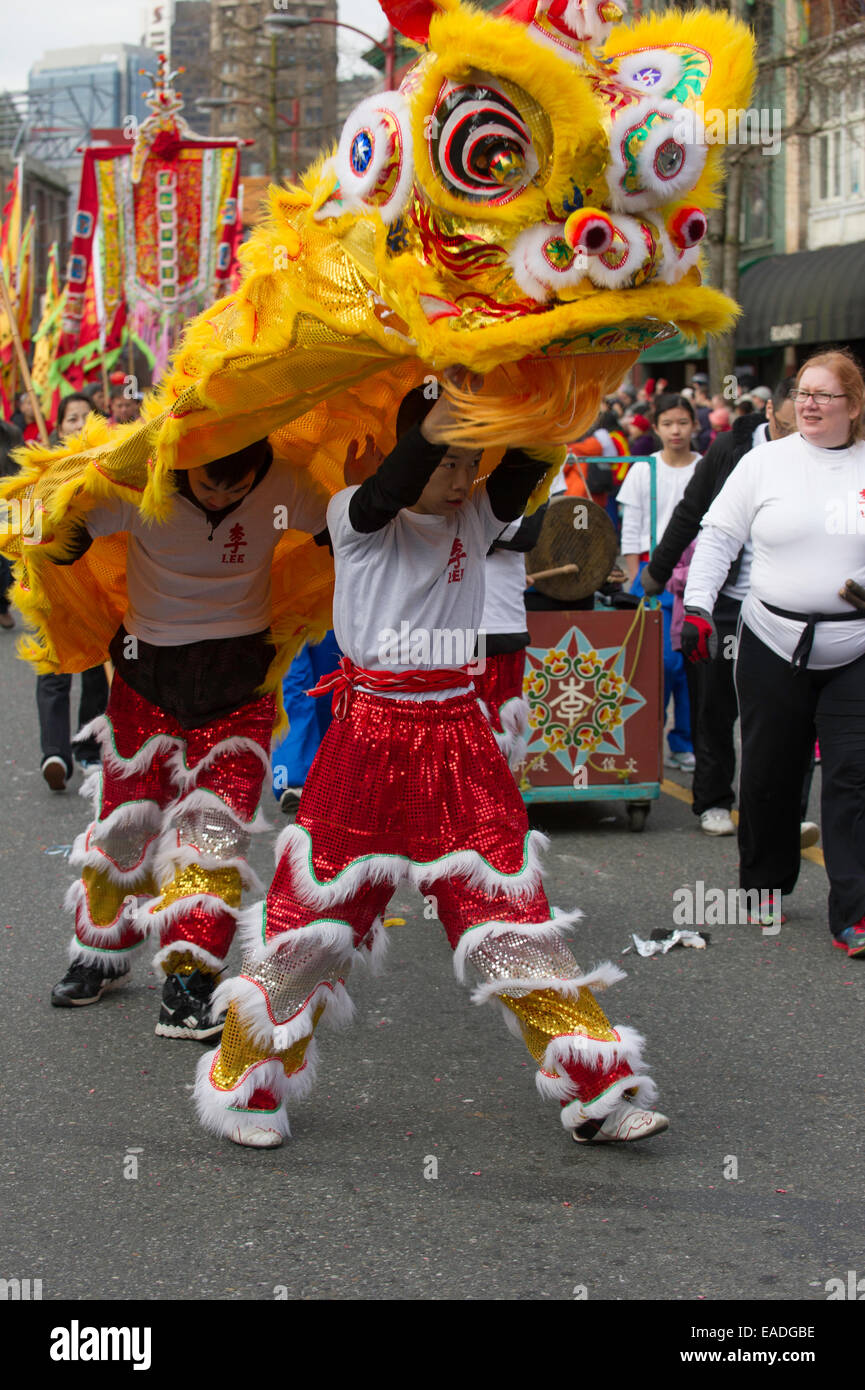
800,501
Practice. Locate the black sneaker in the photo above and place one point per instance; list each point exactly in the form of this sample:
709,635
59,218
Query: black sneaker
185,1011
56,773
289,802
85,984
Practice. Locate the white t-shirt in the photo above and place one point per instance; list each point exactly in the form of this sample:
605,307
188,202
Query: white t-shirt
804,512
411,595
634,499
505,605
742,583
184,586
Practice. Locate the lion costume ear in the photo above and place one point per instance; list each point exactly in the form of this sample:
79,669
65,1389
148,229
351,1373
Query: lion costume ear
411,17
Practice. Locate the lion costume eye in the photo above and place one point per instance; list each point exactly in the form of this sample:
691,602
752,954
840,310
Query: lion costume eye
480,145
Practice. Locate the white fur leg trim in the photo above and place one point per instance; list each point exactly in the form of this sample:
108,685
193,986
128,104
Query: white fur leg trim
91,788
645,1092
155,923
552,1080
203,799
102,730
295,843
374,947
514,715
186,777
89,932
600,978
470,940
266,1031
477,873
114,962
171,857
189,948
335,935
220,1111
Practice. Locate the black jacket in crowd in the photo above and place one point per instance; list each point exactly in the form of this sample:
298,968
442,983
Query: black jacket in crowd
710,475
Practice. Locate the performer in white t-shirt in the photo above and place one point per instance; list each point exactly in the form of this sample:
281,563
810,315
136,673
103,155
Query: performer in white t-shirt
801,652
185,740
675,463
409,783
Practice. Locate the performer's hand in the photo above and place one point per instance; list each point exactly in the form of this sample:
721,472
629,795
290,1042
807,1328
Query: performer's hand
360,466
853,593
445,414
616,576
699,637
651,587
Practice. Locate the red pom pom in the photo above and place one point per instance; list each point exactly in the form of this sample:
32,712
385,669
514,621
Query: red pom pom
687,227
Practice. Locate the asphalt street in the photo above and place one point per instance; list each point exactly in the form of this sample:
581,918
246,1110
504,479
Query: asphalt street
425,1165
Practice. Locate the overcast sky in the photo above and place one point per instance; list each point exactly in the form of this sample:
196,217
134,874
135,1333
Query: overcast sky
34,26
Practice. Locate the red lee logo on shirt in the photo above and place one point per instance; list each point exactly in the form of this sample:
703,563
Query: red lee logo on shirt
231,554
457,556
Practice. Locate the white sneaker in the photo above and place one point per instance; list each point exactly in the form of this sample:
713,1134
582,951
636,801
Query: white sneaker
686,762
809,834
624,1123
253,1136
717,821
55,774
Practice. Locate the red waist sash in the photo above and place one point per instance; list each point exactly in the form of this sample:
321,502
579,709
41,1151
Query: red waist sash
345,680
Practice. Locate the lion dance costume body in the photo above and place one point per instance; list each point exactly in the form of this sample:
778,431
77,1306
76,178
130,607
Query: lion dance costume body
528,205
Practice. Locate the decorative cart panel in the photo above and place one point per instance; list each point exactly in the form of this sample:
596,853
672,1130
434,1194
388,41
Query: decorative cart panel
593,681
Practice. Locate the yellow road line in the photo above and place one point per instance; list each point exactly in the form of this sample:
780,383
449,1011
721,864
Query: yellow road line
683,794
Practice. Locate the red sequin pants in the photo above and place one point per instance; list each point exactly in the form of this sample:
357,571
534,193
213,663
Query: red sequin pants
499,688
418,791
165,852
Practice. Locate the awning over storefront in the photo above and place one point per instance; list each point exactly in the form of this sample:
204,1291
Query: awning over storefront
806,297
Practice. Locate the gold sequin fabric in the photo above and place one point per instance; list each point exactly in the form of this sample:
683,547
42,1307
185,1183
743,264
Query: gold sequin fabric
220,883
237,1054
104,897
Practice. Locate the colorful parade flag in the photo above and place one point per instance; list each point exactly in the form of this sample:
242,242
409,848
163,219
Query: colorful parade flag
154,238
10,239
47,378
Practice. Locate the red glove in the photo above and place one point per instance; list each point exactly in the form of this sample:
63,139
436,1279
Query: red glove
699,638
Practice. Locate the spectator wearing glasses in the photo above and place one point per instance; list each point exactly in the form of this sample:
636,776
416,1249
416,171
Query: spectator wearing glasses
713,692
801,664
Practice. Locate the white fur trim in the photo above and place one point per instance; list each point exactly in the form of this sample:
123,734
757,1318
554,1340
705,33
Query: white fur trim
145,815
673,122
155,923
618,266
91,788
189,948
110,962
651,70
218,1110
372,951
331,933
556,928
645,1093
102,730
387,120
536,272
600,978
265,1031
186,777
202,799
295,843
